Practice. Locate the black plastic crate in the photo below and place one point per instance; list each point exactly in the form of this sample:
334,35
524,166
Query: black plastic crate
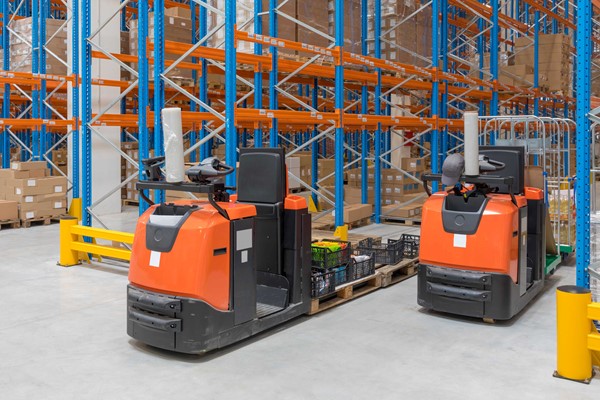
324,282
385,253
410,245
361,269
325,258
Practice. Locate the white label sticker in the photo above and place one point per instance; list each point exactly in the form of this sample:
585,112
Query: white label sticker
155,259
15,165
31,182
244,239
18,191
30,215
460,241
58,189
58,204
28,199
244,256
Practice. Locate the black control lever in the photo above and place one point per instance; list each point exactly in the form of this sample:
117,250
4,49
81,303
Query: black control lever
208,170
152,169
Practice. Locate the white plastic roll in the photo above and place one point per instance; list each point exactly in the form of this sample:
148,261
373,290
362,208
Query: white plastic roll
471,120
173,136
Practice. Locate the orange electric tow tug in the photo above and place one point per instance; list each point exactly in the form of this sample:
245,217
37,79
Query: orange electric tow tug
483,241
208,273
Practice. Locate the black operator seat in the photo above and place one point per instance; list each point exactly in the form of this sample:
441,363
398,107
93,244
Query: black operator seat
513,158
262,183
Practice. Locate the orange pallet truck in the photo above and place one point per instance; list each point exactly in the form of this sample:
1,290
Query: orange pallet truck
483,243
208,273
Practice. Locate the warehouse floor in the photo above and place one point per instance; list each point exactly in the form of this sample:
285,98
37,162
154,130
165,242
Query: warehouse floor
62,336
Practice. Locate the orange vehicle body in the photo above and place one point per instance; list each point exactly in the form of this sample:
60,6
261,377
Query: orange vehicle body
191,269
485,251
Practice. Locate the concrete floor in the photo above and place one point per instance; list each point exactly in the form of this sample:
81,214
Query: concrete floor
62,336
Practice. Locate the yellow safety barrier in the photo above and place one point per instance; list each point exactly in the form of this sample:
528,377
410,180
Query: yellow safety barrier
577,339
74,249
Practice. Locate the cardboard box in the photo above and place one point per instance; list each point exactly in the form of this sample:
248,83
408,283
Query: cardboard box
413,164
313,13
353,195
294,172
39,213
356,212
13,174
326,168
57,204
10,174
37,186
9,210
28,165
410,211
546,54
181,12
552,39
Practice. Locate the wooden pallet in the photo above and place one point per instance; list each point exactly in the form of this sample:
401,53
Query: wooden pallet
10,224
345,293
128,202
183,82
407,222
28,223
391,274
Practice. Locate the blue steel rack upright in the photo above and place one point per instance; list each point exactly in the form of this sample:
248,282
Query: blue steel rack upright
352,86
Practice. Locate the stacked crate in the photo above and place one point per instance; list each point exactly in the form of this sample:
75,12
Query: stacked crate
38,195
21,49
395,185
352,25
177,28
555,66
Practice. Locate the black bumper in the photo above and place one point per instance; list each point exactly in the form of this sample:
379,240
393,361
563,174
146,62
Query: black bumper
172,323
471,293
192,326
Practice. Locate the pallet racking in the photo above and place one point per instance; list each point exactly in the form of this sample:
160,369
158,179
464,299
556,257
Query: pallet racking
345,103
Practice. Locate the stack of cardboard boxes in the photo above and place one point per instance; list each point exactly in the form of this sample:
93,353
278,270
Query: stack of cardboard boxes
178,28
20,46
395,185
38,195
311,13
60,159
15,154
405,42
555,69
396,188
352,25
9,212
509,73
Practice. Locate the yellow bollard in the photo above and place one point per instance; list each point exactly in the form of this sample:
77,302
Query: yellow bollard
573,357
341,232
75,209
68,257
